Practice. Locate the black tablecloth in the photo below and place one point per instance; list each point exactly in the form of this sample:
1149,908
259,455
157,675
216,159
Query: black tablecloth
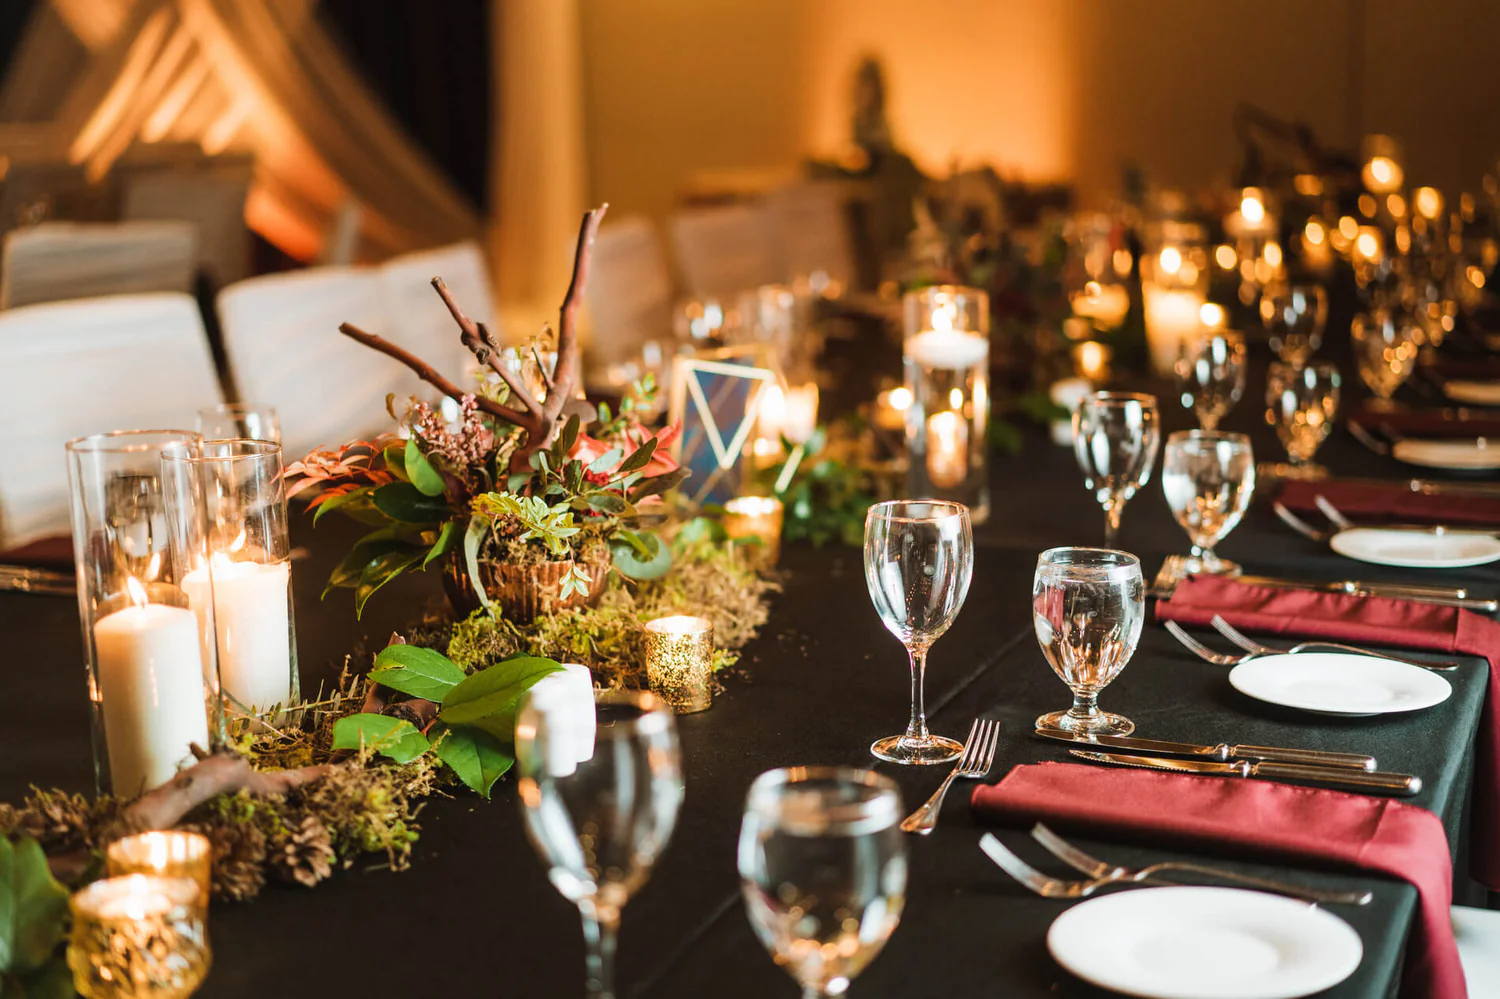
476,913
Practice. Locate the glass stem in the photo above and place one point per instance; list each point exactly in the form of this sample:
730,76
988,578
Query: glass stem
1112,512
917,727
1085,706
599,931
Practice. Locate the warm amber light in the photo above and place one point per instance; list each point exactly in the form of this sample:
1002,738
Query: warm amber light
1348,228
1367,244
1367,205
1122,262
1428,202
1382,174
1225,256
1314,232
1272,253
1211,314
1253,206
1309,185
1475,276
1170,259
1396,205
900,398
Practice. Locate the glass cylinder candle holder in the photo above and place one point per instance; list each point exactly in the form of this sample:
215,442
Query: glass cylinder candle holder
758,517
946,359
138,937
169,853
1173,291
680,661
152,672
242,578
233,420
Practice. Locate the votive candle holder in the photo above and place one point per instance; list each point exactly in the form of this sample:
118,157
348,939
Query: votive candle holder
138,937
760,518
170,853
680,661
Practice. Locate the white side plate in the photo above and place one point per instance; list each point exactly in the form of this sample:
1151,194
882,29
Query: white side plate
1416,549
1205,943
1474,393
1462,455
1339,683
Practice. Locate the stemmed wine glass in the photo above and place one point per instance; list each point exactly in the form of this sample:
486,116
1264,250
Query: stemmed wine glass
919,555
1088,606
1301,403
823,870
239,421
1385,351
1115,436
599,822
1211,375
1294,315
1208,478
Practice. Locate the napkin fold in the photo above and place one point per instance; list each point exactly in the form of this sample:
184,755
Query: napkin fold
1261,819
45,553
1344,617
1427,423
1393,501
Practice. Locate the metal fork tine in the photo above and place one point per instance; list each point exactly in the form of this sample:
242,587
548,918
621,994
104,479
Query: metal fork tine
1067,852
1299,525
963,760
1332,513
974,766
989,755
1198,648
1241,639
1014,865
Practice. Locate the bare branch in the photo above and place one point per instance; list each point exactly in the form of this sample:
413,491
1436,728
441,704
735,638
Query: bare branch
477,338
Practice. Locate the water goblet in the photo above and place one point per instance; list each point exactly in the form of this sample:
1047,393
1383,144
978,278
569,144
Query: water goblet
1301,403
1386,345
919,556
1208,478
1211,374
1088,606
1115,437
600,810
239,421
1294,314
822,864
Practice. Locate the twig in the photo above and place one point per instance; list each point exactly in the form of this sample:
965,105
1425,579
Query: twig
476,336
164,807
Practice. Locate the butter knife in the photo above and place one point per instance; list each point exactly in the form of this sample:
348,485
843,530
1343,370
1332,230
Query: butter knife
1222,752
1404,785
1442,596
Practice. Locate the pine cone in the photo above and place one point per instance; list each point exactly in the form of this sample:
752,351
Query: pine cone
239,852
305,855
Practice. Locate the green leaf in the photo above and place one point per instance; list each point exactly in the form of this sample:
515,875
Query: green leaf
487,699
636,566
606,461
348,573
568,436
416,671
604,414
33,907
700,529
395,460
474,537
612,503
403,501
420,471
517,481
478,758
659,484
394,738
639,458
53,980
381,570
634,540
573,476
343,499
446,539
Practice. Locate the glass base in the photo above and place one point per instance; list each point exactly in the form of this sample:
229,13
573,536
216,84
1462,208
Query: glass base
1103,723
917,752
1198,566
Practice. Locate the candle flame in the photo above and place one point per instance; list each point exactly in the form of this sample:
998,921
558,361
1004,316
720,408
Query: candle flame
238,542
942,316
135,591
154,566
900,398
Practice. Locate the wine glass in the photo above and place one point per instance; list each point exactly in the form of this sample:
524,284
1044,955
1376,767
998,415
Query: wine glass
1088,606
1208,478
239,421
1115,436
1294,314
1211,374
1385,352
1301,403
823,870
919,555
599,821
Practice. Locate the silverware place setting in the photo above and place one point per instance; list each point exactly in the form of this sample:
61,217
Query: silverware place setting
1226,659
977,758
1343,778
1174,571
1219,752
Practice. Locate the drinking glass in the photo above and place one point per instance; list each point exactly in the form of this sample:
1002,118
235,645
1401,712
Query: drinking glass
1208,478
1115,436
1294,315
1385,352
1211,375
239,420
919,556
1301,403
1088,606
823,870
138,937
599,810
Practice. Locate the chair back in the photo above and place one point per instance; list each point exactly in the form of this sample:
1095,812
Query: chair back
63,261
727,249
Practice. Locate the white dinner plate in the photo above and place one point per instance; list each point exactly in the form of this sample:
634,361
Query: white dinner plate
1339,683
1460,455
1416,549
1205,943
1474,393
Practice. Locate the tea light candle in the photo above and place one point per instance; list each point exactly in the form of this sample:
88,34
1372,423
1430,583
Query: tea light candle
679,661
1091,360
891,407
1105,304
756,517
1172,315
1068,393
250,607
948,350
801,416
150,691
138,935
567,701
172,853
947,449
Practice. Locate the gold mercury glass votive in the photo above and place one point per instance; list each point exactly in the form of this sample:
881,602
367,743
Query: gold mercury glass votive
171,854
680,661
138,937
756,517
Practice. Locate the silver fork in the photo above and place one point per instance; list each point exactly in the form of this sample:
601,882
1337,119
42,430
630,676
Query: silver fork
1203,651
1299,525
977,758
1096,868
1050,887
1253,647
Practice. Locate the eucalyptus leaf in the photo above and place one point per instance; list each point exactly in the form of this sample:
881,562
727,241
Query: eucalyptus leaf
487,699
474,537
516,481
636,566
420,471
446,539
478,758
33,907
416,672
394,738
606,461
403,501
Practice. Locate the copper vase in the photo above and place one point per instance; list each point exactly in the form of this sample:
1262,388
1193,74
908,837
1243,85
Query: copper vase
522,592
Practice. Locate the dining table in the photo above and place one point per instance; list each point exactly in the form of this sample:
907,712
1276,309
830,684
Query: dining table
475,913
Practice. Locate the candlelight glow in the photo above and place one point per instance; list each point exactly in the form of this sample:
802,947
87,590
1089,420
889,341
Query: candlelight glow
1211,314
1396,205
1170,260
1383,174
1428,202
1252,206
900,398
1348,228
137,593
1368,244
1314,232
1272,253
1225,256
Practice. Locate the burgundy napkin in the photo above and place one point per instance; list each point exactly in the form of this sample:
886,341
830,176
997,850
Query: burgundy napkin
46,553
1344,617
1427,423
1256,818
1394,501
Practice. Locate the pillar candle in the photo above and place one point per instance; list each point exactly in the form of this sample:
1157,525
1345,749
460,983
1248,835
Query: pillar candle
947,449
948,350
250,602
566,700
1171,316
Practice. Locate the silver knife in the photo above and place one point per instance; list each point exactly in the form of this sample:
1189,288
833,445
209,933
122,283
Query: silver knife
1222,752
1443,596
25,579
1349,780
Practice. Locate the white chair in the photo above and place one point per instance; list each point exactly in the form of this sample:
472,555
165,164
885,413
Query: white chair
812,231
282,341
213,200
1478,934
416,317
63,261
725,250
629,293
69,369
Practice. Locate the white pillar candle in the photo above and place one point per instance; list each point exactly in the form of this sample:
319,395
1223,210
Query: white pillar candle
566,700
1068,393
948,350
801,413
250,602
1172,315
151,693
947,449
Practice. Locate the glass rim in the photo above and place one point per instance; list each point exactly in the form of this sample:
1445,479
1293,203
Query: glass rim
147,440
1215,436
947,289
195,845
883,511
1322,367
254,449
1120,398
179,892
655,716
880,810
238,407
1112,562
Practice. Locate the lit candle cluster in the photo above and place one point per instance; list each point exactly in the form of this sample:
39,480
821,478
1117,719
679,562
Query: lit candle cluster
679,661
